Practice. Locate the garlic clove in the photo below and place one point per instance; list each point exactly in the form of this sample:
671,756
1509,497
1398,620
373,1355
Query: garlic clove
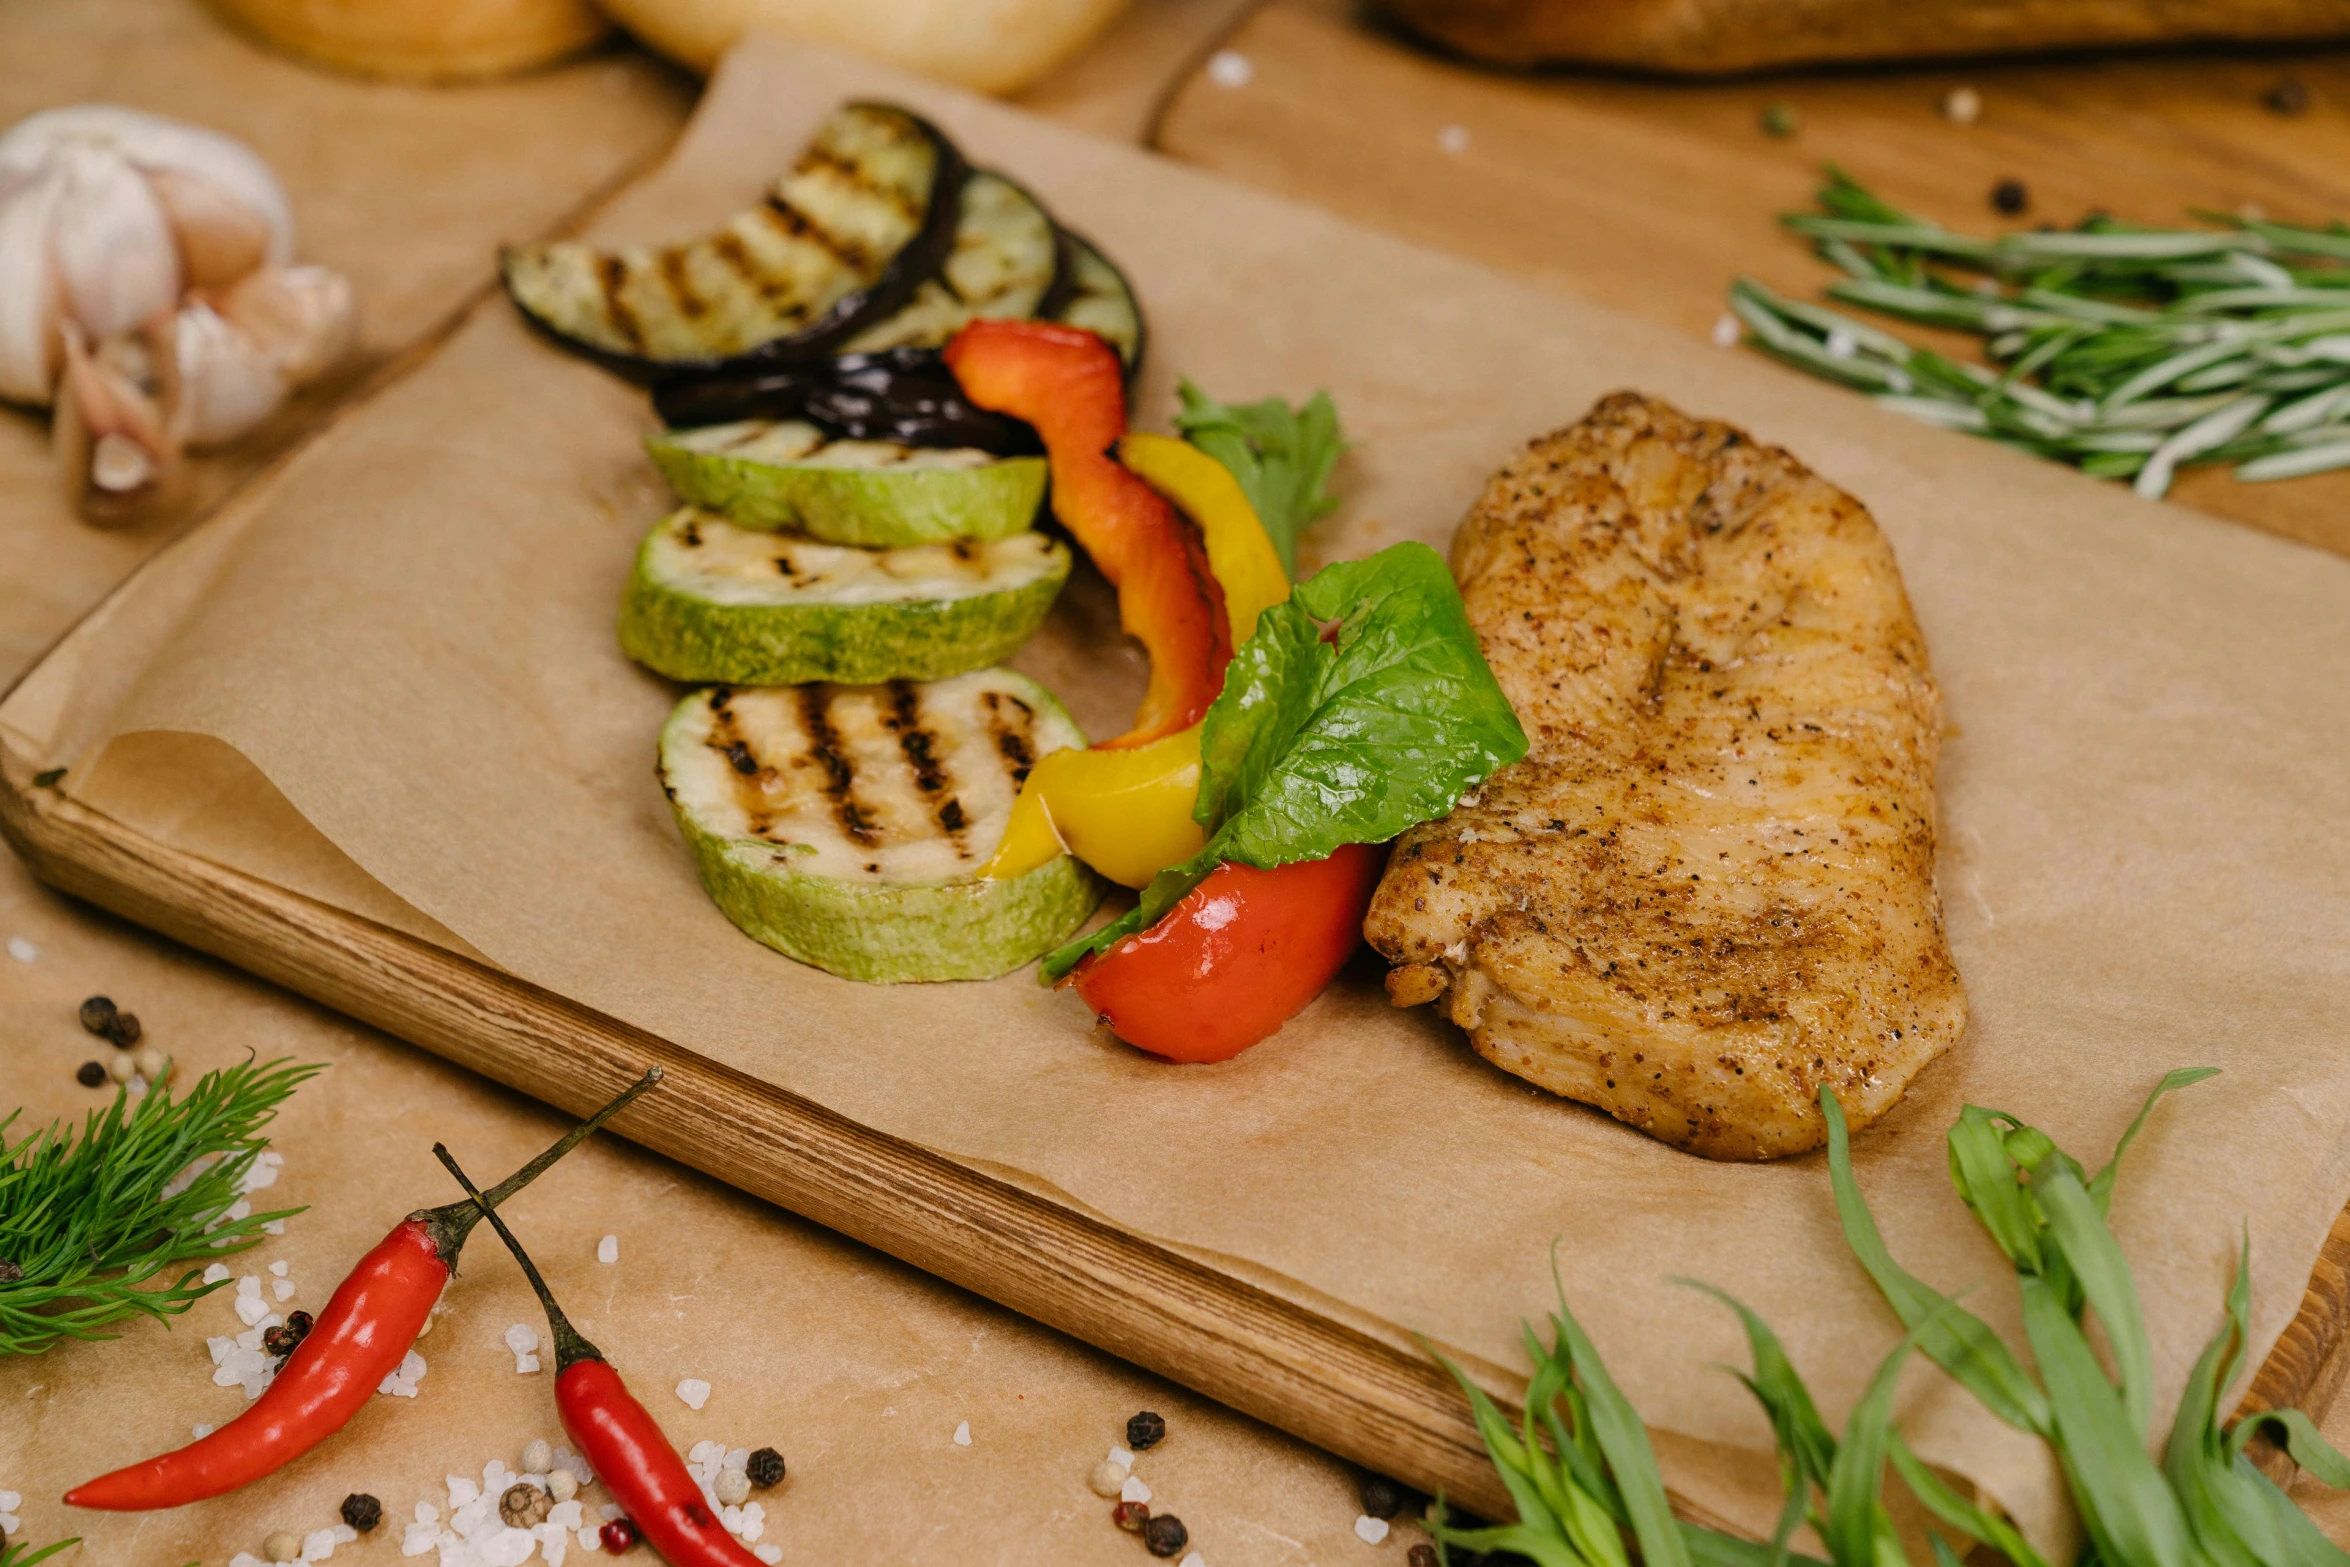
113,244
221,237
229,382
303,317
154,143
31,298
113,448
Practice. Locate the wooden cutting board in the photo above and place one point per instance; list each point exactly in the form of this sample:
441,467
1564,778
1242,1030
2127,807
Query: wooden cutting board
1650,196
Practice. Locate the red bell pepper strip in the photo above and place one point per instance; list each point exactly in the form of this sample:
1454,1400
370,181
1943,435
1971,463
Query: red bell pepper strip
359,1339
1071,386
618,1436
1237,957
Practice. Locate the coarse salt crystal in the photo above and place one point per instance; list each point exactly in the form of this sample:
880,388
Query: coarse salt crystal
1370,1530
1134,1490
1726,330
608,1249
462,1490
1453,138
770,1554
217,1273
505,1546
1119,1455
522,1338
1226,68
963,1433
318,1545
1195,1559
427,1513
283,1289
274,1227
10,1501
738,1458
22,950
526,1364
278,1268
564,1515
693,1392
588,1540
200,1430
419,1538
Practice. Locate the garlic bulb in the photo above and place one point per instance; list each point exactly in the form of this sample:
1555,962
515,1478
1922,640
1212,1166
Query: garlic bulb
228,382
303,317
108,215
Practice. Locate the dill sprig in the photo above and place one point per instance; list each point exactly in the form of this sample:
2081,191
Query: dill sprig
88,1223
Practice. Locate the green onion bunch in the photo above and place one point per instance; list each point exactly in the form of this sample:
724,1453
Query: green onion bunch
1581,1472
2125,351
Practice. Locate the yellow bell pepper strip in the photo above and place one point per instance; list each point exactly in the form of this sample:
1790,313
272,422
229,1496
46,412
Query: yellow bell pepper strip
1127,812
1240,552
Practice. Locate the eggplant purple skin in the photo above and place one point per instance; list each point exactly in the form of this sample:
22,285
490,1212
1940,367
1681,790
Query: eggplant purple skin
917,261
904,395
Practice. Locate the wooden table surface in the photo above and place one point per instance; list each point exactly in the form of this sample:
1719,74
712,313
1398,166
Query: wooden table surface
1650,196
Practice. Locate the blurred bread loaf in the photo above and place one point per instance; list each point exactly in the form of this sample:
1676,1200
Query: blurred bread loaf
993,46
423,40
1719,37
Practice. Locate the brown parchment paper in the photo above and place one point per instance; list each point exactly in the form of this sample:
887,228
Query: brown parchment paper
411,642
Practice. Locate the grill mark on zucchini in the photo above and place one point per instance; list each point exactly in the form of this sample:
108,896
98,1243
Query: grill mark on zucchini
1015,739
920,747
727,739
840,778
612,277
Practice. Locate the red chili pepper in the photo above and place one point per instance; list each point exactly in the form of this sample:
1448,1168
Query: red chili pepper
1239,955
618,1436
359,1339
1072,387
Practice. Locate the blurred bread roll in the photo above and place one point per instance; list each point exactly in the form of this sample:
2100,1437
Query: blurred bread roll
423,40
993,46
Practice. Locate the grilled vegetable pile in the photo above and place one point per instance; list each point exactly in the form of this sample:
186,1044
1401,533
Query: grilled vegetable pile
873,382
2127,352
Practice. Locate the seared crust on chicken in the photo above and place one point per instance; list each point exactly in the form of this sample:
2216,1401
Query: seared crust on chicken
1709,887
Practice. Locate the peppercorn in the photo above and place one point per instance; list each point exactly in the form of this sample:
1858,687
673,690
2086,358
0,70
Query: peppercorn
2010,197
1130,1516
90,1075
1421,1555
1164,1535
1108,1478
733,1487
9,1271
283,1546
120,1068
1145,1431
524,1505
362,1512
2286,95
282,1339
123,1028
1382,1497
538,1456
98,1014
1778,121
618,1535
765,1468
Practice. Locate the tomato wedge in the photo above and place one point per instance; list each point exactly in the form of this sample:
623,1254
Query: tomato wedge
1241,954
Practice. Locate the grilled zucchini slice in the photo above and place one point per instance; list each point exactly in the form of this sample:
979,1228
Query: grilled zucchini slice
1006,258
791,474
845,825
843,240
710,601
1098,298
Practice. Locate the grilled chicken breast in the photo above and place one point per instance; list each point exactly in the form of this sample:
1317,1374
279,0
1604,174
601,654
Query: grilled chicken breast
1708,888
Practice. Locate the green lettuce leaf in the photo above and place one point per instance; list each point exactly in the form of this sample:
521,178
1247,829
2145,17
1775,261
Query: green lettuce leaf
1282,457
1314,744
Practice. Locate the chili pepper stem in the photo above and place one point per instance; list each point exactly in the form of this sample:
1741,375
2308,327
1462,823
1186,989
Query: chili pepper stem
449,1226
570,1347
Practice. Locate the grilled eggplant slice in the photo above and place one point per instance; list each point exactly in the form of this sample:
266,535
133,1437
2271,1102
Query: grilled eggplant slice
902,395
790,474
710,601
1006,261
1099,299
845,239
845,825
